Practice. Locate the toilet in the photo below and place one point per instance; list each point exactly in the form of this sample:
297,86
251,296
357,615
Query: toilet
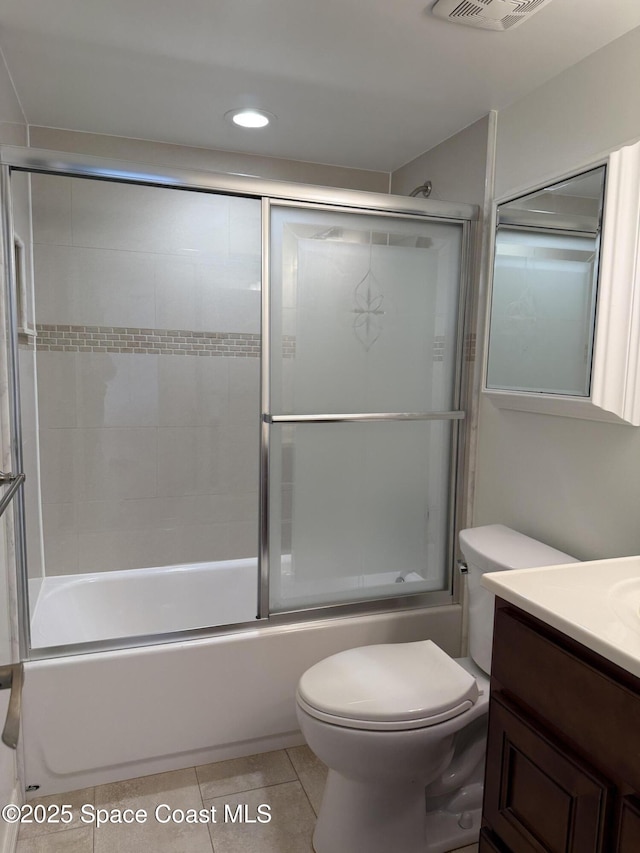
402,726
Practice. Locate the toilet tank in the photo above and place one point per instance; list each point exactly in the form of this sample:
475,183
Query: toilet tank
496,548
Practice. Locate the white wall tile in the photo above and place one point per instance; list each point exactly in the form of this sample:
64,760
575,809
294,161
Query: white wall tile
189,461
126,514
57,388
207,509
227,310
111,288
61,538
144,444
116,463
59,465
110,550
175,292
240,444
51,204
79,286
117,390
149,219
53,284
245,225
243,539
193,391
198,543
244,389
232,272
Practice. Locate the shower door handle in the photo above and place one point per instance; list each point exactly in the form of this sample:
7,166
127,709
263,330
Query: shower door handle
15,481
11,676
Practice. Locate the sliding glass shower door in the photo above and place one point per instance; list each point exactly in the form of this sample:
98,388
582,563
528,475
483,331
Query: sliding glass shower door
235,399
362,408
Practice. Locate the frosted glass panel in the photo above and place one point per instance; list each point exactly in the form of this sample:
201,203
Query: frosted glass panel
364,312
542,312
358,511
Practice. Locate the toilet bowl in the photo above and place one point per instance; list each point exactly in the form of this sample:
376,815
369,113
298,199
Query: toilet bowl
385,735
402,727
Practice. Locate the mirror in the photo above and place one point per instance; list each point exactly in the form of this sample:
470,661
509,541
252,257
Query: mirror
564,324
543,305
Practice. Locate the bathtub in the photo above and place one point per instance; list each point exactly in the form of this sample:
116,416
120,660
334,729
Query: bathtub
137,602
105,716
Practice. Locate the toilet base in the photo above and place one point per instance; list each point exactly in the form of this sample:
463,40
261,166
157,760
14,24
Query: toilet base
444,832
454,821
359,816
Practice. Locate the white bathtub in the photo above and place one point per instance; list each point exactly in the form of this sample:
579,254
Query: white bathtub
101,717
138,602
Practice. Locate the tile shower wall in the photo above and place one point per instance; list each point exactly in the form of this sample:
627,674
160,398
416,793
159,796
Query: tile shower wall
148,312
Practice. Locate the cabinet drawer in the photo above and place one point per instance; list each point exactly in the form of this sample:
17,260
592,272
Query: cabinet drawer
591,708
540,798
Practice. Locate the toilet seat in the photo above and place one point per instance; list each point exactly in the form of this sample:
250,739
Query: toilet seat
389,687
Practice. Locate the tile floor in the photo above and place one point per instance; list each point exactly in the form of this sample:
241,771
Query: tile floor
289,781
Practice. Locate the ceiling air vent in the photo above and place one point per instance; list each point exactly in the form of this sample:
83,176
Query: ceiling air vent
488,14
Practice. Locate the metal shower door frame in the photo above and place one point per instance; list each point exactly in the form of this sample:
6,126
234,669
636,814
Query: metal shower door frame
271,192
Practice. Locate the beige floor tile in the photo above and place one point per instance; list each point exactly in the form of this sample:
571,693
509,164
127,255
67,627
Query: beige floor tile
79,840
311,772
472,848
75,799
289,831
244,774
178,790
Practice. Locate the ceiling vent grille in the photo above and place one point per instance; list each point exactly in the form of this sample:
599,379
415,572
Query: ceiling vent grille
497,15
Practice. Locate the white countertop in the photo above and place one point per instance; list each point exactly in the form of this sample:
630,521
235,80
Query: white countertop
596,603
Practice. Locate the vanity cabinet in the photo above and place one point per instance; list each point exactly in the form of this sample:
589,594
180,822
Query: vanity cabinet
563,754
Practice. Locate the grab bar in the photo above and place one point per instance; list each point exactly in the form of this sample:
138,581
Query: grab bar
11,676
16,481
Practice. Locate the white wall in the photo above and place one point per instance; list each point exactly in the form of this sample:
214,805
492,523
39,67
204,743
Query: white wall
456,167
574,484
162,153
13,126
581,114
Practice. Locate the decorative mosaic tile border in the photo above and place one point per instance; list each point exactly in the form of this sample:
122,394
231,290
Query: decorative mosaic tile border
438,348
470,347
61,338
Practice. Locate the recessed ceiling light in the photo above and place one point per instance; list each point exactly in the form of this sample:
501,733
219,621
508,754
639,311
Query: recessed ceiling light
249,117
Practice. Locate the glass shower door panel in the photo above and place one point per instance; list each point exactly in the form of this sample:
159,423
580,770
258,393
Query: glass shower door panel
147,368
364,312
360,511
364,320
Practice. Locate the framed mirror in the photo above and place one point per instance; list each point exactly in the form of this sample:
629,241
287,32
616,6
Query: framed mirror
563,318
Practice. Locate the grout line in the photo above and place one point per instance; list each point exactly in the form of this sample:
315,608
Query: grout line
304,788
257,788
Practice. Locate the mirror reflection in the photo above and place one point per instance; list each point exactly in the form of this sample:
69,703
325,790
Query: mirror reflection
544,288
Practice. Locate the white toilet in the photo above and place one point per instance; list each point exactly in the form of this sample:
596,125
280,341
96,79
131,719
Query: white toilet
402,727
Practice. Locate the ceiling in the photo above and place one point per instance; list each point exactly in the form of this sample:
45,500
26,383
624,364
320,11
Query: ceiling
369,84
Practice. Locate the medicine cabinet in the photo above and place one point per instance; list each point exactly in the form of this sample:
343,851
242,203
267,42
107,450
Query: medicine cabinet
564,309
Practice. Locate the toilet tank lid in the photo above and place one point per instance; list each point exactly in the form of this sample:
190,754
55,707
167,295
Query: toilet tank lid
495,547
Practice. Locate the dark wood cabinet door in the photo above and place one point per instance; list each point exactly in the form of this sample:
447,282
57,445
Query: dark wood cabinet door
540,798
629,826
489,844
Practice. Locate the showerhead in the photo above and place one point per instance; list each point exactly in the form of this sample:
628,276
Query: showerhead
423,190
